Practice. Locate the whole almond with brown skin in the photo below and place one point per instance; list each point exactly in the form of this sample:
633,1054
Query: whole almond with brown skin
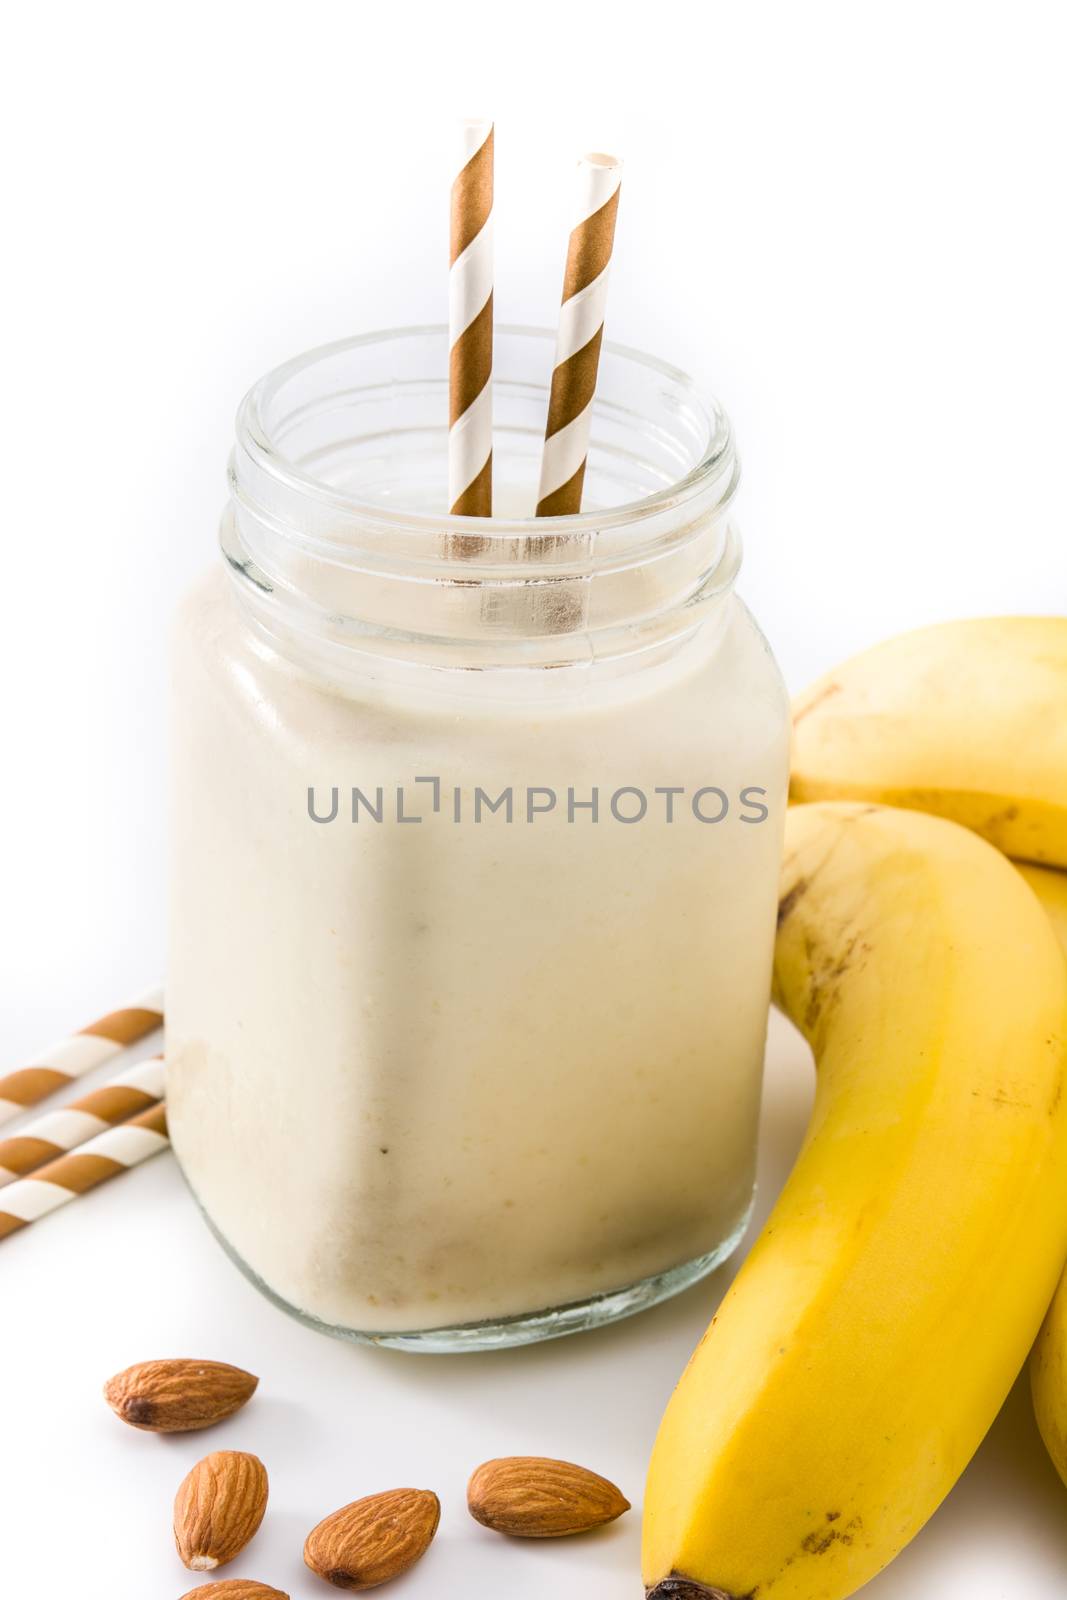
374,1539
235,1589
219,1508
533,1497
178,1396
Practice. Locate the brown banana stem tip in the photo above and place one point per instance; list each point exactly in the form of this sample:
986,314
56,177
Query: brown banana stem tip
679,1588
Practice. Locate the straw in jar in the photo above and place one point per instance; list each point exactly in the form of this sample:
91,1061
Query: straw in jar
470,320
579,338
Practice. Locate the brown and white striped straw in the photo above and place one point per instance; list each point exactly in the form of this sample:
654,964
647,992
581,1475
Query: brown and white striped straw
59,1065
470,325
581,330
63,1180
55,1132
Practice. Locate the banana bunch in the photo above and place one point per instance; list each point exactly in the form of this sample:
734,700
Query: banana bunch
890,1301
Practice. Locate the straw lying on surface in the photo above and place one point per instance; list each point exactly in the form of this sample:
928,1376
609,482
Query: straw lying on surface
58,1066
104,1157
55,1132
581,330
470,319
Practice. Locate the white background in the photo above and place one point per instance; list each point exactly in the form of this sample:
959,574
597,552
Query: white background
847,219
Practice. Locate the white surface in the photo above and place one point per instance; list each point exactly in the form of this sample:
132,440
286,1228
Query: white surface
131,1272
848,219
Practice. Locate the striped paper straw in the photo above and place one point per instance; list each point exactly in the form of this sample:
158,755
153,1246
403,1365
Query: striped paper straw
58,1066
581,330
71,1175
470,327
52,1134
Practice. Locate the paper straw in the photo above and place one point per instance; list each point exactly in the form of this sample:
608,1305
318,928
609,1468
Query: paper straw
71,1175
58,1066
581,329
51,1135
470,326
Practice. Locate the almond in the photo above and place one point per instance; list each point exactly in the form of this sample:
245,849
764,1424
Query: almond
219,1508
178,1396
235,1589
374,1539
532,1497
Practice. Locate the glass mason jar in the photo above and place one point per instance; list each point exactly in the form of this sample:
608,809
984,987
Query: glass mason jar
476,837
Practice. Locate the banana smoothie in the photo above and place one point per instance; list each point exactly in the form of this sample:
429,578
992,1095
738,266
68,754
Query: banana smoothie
475,870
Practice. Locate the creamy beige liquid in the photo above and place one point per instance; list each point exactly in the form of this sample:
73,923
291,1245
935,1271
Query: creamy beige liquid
424,1075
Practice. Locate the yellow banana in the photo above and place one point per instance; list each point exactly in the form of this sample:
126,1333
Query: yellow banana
1048,1364
892,1297
1051,889
967,720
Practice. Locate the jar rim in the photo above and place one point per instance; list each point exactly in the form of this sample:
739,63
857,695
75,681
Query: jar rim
255,437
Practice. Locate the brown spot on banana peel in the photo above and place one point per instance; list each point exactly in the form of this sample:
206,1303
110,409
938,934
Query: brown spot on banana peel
832,688
820,1540
825,971
790,898
817,1544
825,986
792,895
